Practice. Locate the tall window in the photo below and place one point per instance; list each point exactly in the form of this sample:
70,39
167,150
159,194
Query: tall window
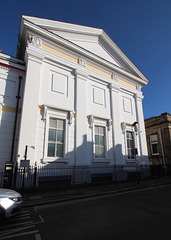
56,138
99,142
130,143
154,144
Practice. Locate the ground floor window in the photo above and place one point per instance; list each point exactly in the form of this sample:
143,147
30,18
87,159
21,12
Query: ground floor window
130,143
99,142
56,138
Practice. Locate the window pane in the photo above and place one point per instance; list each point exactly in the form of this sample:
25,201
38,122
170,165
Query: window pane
102,154
154,148
96,130
53,123
60,137
101,130
52,135
128,143
60,124
99,152
131,143
59,151
97,139
51,150
127,134
129,154
101,140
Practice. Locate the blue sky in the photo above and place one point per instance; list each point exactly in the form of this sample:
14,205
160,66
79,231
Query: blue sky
141,28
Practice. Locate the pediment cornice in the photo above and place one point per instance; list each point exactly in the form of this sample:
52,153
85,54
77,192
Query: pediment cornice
39,25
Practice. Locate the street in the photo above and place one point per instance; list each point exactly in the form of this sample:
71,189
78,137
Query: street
139,214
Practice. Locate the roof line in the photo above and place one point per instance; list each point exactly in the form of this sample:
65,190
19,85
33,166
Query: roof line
16,68
81,48
74,43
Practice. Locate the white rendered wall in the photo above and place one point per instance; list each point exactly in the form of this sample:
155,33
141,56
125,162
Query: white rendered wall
9,83
28,125
61,88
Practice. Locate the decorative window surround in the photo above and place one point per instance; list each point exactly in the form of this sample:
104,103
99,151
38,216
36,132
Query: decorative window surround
53,107
101,123
56,137
100,143
130,143
56,114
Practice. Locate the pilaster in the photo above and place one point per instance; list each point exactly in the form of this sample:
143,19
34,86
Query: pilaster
81,117
117,136
30,106
142,135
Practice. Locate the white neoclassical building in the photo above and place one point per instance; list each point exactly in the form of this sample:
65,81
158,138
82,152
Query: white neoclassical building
80,100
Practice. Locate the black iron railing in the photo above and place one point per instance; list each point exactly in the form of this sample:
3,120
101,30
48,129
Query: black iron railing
60,176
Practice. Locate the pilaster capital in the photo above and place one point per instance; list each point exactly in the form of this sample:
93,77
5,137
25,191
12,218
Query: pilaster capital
32,55
138,97
81,74
114,86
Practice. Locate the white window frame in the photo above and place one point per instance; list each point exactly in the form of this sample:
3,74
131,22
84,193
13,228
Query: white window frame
104,143
133,135
55,141
154,143
101,123
61,115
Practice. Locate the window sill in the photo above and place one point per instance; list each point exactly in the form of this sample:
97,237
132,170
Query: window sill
129,161
101,160
55,160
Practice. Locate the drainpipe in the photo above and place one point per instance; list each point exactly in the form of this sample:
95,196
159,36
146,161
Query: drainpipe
16,116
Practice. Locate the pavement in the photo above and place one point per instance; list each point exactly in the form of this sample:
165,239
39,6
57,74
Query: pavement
46,196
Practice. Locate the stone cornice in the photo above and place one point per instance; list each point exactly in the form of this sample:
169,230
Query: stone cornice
81,74
56,25
13,68
11,63
121,54
164,118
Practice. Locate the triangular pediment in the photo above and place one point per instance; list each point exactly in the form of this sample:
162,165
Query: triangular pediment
92,40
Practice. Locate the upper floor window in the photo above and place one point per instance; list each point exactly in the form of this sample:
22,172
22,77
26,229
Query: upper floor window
56,138
130,143
99,142
154,144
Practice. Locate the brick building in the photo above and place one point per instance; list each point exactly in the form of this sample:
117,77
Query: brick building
158,133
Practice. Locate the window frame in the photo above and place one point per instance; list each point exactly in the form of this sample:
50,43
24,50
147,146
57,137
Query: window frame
56,141
154,143
100,145
59,115
100,123
132,157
